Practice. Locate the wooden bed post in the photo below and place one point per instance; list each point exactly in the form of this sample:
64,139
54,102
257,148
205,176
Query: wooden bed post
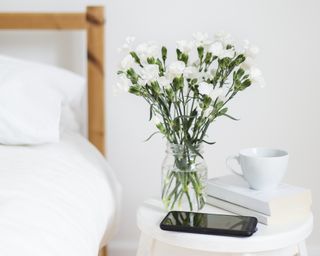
95,50
95,54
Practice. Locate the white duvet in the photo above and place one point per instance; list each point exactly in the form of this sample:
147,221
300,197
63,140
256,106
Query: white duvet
56,200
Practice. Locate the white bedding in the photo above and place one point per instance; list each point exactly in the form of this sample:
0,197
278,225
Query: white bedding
57,199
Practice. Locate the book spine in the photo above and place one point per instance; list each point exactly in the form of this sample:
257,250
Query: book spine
264,219
239,199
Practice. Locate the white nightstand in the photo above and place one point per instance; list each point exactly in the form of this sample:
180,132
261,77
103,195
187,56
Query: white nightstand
287,240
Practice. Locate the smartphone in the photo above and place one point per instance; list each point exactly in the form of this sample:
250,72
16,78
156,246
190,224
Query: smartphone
212,224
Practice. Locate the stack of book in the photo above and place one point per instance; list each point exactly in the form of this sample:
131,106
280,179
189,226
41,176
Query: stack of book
282,205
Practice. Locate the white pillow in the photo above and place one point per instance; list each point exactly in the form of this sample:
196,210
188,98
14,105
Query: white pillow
32,96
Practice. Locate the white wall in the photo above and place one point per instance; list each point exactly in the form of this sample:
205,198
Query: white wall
285,114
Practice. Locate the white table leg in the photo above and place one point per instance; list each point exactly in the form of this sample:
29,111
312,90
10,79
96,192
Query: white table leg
302,248
145,245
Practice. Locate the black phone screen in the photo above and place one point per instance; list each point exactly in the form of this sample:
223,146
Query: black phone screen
209,223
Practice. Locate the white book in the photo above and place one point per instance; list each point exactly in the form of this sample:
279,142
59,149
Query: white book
280,219
285,198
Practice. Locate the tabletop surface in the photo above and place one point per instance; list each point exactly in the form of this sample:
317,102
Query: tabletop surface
151,212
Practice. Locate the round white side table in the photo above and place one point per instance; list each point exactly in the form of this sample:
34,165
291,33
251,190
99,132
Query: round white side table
286,240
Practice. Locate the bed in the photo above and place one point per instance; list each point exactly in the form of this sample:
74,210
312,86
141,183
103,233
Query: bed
61,198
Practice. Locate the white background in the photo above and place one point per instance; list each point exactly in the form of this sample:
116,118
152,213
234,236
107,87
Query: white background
285,114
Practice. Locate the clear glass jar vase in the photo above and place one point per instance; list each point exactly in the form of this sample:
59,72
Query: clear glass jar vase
184,178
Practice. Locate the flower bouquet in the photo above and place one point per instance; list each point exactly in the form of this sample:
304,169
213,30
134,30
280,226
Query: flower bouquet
185,95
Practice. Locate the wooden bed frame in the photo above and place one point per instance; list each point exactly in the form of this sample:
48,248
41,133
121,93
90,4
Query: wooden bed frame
92,21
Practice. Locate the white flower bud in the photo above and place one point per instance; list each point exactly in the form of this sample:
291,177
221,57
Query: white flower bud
224,38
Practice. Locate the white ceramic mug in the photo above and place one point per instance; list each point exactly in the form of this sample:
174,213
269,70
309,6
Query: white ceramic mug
262,168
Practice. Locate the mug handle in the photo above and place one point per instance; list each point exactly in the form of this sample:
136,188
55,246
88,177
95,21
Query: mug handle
234,157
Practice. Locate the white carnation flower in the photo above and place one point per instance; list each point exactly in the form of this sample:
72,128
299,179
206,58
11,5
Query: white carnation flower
123,83
185,46
164,82
249,49
224,38
201,39
150,72
148,50
127,62
216,49
247,64
191,72
227,54
176,69
205,88
256,77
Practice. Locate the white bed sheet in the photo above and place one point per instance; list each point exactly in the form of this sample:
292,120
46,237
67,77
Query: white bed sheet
56,200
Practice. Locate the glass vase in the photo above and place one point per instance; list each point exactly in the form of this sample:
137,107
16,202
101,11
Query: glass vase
184,178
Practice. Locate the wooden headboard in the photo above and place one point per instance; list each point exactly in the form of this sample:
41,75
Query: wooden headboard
93,22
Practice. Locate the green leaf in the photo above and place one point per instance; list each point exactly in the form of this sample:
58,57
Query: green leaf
208,57
194,81
178,54
193,149
240,73
161,128
131,74
170,94
208,142
151,112
176,124
159,63
239,59
246,83
147,139
151,60
223,111
164,53
206,101
136,58
155,87
135,89
184,57
218,105
231,117
200,52
177,83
